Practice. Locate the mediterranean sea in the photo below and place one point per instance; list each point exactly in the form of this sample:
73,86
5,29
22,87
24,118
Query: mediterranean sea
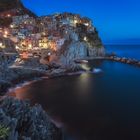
92,106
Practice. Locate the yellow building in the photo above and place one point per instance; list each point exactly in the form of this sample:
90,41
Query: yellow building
43,43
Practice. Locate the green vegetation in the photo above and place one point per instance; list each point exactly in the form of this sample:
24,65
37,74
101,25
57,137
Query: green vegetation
4,132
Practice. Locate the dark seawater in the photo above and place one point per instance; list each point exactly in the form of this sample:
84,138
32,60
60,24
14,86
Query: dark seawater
131,51
103,106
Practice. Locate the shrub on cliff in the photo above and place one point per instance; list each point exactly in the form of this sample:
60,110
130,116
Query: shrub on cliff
4,132
24,122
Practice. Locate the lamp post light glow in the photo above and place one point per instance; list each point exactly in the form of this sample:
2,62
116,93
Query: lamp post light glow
11,26
6,32
49,53
85,38
0,44
8,15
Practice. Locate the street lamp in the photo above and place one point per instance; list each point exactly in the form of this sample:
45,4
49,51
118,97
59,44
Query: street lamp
49,53
0,44
5,32
12,26
85,38
8,15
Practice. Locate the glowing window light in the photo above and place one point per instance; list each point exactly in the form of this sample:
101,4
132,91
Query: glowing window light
2,46
86,24
30,46
17,47
6,32
75,21
5,36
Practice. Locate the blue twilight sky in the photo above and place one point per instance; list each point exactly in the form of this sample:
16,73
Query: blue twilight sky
118,21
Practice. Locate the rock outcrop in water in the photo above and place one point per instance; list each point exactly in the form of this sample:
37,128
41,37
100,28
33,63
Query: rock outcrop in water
25,122
81,40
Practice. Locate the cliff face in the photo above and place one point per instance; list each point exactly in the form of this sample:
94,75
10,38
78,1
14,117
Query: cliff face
80,50
84,42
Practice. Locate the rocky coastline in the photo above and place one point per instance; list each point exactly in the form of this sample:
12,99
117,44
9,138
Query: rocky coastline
21,121
79,40
124,60
16,75
15,115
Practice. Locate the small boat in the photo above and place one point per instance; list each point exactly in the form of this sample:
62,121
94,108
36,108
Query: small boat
96,70
81,61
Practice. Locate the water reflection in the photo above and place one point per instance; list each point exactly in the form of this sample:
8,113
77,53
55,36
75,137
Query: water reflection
102,106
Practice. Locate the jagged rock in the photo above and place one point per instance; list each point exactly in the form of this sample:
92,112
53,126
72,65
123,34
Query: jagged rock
77,50
26,122
73,67
11,76
54,65
33,63
57,72
4,85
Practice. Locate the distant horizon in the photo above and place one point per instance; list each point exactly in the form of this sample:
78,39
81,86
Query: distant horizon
128,41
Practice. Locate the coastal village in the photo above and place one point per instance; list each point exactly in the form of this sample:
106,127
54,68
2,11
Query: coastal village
47,36
34,47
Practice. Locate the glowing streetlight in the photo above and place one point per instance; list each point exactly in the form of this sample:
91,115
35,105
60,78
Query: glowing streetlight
8,15
85,38
11,26
49,53
0,44
5,32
